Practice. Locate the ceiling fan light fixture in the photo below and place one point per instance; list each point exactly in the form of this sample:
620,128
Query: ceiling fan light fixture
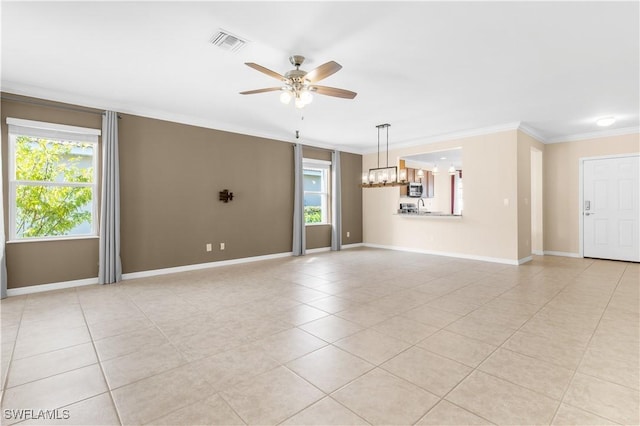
306,97
300,85
285,97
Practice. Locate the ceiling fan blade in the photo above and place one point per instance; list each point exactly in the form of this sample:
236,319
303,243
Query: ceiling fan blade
266,71
332,91
268,89
323,71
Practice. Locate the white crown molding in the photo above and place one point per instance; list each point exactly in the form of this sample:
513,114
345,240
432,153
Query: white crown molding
595,135
532,132
55,96
452,136
102,104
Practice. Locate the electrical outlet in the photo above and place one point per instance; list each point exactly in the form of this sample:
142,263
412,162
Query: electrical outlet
209,248
221,246
348,234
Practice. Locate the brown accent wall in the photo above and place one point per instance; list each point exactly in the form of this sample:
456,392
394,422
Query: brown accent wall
316,153
171,174
351,168
319,236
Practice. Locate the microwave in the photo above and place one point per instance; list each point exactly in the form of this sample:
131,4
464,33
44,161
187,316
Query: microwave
414,189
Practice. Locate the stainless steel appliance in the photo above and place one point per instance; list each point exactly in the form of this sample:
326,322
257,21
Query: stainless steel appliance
415,189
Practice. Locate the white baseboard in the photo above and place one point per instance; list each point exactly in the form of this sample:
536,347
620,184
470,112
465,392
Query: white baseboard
164,271
317,250
198,266
525,260
538,252
325,249
49,287
447,254
561,253
350,246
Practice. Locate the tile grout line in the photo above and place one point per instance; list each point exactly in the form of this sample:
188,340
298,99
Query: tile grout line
180,295
95,351
477,367
575,372
414,345
187,362
13,350
326,395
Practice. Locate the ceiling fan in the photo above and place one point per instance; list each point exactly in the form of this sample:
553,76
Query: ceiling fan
299,84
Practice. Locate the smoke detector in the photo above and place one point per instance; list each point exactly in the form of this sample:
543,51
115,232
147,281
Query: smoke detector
227,41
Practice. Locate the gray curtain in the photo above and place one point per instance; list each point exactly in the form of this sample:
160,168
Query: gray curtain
3,262
336,202
110,267
299,237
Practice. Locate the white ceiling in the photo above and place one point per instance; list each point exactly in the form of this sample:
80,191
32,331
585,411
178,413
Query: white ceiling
428,68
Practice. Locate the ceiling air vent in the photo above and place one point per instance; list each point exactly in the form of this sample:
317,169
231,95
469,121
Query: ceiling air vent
227,41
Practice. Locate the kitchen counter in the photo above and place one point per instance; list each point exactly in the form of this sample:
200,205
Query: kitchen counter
425,214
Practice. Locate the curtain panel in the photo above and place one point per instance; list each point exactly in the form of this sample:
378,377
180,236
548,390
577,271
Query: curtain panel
3,262
299,238
336,202
110,266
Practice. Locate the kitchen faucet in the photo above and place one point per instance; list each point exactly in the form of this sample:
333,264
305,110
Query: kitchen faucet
418,204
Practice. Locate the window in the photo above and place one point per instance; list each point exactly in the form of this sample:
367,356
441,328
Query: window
52,180
316,191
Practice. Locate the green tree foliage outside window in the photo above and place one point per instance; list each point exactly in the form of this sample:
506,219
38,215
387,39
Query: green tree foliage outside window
46,205
312,214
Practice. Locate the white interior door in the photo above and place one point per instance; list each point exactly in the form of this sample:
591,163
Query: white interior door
611,194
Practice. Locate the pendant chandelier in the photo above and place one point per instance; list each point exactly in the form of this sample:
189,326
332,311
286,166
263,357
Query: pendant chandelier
387,175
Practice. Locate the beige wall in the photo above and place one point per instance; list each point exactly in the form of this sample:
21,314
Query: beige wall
561,186
525,144
496,167
441,202
488,228
537,217
170,178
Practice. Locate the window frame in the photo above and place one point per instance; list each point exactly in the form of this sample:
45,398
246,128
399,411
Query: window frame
54,132
325,167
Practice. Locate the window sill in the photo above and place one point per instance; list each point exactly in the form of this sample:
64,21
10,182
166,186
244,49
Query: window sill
317,224
44,240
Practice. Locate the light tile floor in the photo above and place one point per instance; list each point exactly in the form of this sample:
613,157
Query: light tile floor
363,336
